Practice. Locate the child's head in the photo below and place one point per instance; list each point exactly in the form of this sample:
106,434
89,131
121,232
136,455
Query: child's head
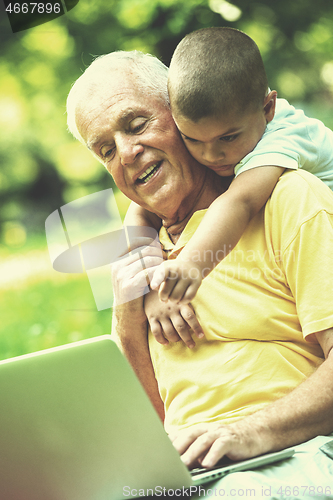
219,96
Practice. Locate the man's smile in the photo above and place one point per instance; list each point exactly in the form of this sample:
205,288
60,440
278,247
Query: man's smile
148,173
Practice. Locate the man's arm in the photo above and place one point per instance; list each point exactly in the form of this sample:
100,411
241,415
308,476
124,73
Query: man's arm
129,330
130,276
300,415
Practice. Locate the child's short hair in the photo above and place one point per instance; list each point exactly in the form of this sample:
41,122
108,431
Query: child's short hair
216,71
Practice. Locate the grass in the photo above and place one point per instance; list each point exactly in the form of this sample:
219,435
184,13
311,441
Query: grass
40,308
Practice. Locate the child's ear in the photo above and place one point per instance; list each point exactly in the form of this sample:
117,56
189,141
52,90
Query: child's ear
269,105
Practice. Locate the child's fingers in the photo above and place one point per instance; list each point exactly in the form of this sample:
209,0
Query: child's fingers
157,331
190,292
166,289
169,331
158,277
179,325
189,316
182,330
178,292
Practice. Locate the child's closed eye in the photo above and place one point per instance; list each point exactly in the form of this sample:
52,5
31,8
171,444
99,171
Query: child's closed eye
228,138
189,139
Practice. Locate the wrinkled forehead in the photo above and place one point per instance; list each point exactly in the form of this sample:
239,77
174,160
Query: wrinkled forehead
110,95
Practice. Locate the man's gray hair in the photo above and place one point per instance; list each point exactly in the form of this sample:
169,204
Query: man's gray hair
151,76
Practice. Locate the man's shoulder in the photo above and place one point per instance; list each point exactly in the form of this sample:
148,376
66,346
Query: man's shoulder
301,191
298,207
304,180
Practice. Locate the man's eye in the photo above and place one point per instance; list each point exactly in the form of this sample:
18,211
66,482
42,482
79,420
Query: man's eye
138,125
138,128
107,152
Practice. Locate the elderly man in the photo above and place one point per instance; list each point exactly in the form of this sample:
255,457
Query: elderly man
261,378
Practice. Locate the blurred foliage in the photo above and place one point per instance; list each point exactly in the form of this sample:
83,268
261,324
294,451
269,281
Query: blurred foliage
42,167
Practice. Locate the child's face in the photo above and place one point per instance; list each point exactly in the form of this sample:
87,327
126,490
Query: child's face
221,143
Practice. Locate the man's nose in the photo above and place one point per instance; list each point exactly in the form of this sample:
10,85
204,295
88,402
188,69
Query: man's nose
212,153
128,148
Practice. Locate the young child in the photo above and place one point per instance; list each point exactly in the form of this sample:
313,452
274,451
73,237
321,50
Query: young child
233,124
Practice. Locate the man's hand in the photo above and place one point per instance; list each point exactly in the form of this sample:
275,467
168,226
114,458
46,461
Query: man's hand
203,445
177,280
171,322
132,272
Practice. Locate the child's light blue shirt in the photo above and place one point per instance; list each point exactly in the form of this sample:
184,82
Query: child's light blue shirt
292,140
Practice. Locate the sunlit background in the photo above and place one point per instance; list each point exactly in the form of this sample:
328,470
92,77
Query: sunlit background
43,167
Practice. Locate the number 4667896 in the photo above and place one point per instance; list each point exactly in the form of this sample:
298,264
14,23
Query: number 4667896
33,8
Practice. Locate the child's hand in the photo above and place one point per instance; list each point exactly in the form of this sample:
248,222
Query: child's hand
171,322
177,280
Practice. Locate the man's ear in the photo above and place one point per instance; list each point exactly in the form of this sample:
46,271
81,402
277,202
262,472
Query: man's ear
269,105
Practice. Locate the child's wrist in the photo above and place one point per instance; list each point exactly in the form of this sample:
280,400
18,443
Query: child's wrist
193,267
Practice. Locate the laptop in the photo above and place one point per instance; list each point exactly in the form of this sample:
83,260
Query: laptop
76,424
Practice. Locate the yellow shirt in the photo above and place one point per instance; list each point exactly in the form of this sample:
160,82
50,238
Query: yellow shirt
258,309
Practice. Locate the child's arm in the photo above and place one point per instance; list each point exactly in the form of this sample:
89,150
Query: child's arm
218,233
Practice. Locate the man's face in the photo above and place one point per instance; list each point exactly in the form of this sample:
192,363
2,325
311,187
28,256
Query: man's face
136,139
220,143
